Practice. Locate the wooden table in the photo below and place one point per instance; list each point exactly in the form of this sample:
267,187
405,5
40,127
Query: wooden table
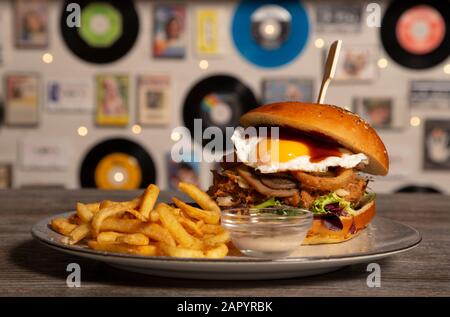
28,268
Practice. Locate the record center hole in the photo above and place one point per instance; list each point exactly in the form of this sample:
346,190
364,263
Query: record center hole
118,177
99,24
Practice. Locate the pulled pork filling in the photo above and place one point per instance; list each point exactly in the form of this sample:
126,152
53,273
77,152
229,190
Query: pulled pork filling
237,184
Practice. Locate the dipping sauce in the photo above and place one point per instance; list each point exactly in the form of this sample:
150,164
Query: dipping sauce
267,233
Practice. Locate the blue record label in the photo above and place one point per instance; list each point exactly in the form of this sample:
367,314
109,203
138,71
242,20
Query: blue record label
269,33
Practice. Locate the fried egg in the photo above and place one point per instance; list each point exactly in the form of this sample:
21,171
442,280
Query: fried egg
291,154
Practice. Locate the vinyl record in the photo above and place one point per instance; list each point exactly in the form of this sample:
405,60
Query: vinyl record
108,29
219,101
270,33
416,34
117,164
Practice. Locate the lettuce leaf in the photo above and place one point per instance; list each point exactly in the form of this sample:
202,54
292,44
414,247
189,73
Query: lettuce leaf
319,206
268,203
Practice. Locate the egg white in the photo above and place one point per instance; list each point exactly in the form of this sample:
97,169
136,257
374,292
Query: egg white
246,153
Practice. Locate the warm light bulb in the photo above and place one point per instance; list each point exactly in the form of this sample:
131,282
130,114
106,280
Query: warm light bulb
382,63
319,43
82,131
415,121
136,129
47,58
203,64
175,136
447,69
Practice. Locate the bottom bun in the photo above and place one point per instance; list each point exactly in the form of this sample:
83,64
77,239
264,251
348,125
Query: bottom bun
351,227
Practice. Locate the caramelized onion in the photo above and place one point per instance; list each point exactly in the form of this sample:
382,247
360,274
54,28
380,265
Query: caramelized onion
256,183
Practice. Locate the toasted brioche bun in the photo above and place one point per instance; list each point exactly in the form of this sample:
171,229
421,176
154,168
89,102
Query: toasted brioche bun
320,234
335,123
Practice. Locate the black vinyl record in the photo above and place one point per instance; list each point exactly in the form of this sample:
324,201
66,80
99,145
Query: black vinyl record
117,164
108,29
219,101
416,33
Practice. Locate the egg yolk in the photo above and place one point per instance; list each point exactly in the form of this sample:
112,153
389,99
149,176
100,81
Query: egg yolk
279,150
283,150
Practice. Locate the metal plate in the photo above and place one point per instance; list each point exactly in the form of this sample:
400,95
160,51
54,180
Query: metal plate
382,238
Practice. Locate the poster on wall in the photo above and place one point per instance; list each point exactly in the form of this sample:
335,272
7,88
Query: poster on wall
356,63
338,16
44,153
31,23
208,40
153,99
69,95
22,99
112,107
5,175
377,111
287,89
185,171
169,31
436,154
430,94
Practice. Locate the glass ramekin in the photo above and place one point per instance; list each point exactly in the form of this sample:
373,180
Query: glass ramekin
267,232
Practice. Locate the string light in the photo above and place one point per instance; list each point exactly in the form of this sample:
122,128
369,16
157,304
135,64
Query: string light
319,43
382,63
47,58
136,129
415,121
447,69
175,136
82,131
203,64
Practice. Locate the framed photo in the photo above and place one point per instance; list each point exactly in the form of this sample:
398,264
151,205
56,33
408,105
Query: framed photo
377,111
208,39
430,94
185,171
5,175
31,23
112,107
436,154
287,89
356,63
338,16
153,100
169,31
22,99
69,95
44,153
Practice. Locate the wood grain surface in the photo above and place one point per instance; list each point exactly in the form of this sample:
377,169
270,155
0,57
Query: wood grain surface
28,268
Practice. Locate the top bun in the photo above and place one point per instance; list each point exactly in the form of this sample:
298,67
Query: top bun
337,124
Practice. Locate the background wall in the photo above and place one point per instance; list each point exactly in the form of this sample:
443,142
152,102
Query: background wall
404,144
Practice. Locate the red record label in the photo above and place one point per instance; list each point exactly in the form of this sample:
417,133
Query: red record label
420,30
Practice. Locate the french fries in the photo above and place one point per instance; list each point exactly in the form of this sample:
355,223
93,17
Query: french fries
79,233
199,196
149,200
210,217
181,236
62,226
139,227
146,250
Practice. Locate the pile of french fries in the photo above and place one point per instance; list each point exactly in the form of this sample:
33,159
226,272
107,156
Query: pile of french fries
138,227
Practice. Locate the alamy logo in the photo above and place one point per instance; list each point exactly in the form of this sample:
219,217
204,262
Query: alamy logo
73,19
374,278
74,278
373,19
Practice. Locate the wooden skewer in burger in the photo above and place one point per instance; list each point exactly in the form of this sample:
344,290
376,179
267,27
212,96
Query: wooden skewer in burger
322,155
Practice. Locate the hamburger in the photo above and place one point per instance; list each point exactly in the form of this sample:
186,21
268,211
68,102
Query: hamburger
320,159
